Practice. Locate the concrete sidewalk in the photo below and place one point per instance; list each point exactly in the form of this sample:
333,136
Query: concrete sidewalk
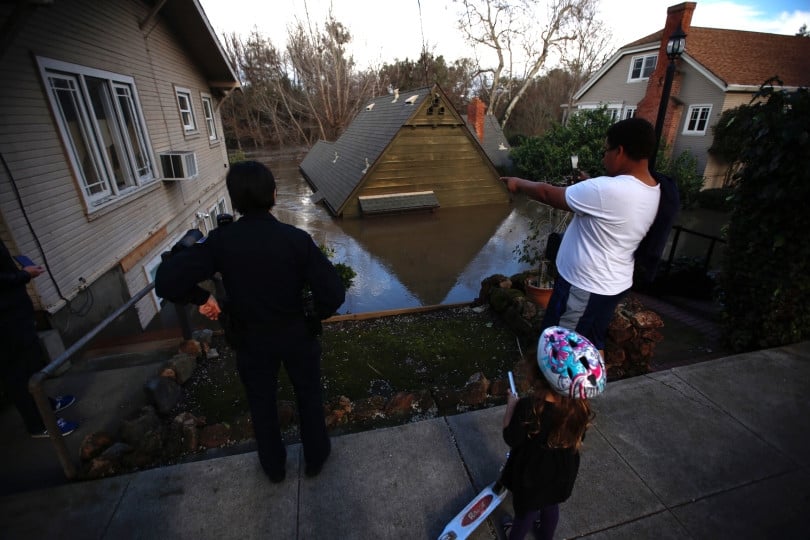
714,450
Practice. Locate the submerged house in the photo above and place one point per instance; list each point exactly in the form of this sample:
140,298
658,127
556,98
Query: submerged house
112,148
403,152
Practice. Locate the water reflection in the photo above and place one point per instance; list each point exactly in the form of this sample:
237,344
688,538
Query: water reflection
408,260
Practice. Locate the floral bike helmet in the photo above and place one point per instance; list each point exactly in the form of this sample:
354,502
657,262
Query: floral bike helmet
571,363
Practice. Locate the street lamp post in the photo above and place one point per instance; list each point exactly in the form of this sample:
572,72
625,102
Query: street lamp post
675,47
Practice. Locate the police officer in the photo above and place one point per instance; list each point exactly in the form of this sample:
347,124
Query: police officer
266,266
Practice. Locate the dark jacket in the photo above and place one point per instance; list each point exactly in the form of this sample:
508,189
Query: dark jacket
536,475
15,304
265,265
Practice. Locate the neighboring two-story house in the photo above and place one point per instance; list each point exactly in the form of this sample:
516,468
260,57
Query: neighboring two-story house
719,70
111,144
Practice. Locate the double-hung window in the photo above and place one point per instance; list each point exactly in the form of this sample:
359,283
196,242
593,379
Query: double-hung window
186,109
208,113
641,67
102,126
697,120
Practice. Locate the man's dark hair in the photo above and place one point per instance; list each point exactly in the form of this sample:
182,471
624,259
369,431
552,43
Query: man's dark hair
251,186
635,135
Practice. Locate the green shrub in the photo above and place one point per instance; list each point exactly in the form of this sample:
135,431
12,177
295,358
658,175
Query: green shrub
683,168
548,157
766,269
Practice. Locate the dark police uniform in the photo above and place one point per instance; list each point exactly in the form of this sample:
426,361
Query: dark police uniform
265,265
22,355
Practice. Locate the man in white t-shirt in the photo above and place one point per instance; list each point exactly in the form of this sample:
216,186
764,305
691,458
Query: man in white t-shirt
611,216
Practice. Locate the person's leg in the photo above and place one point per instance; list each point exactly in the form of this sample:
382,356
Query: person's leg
303,365
546,522
521,525
21,359
595,318
258,370
557,304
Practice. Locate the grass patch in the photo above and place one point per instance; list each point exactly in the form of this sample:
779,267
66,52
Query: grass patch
433,351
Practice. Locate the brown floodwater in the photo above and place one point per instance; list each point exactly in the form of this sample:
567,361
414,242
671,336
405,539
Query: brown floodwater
407,260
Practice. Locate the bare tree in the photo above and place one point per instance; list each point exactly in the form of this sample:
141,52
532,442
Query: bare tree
586,53
522,33
455,79
331,92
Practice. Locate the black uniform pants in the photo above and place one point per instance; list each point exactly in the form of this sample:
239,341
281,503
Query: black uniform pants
258,361
22,357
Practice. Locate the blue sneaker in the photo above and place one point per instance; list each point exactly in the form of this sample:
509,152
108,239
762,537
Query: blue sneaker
65,426
60,403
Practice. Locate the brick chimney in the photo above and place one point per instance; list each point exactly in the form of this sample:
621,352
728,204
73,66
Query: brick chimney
680,14
475,115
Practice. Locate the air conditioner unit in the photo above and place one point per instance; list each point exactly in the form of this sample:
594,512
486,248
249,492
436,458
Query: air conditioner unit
179,165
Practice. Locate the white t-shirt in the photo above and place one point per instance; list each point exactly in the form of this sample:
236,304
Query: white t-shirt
611,216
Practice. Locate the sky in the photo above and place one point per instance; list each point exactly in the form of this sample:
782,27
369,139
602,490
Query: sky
384,30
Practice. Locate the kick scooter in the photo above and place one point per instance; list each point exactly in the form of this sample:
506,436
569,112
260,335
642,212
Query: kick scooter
480,507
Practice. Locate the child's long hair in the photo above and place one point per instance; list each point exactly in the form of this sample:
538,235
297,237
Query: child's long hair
570,418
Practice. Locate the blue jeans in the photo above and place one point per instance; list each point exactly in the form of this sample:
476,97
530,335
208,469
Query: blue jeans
589,314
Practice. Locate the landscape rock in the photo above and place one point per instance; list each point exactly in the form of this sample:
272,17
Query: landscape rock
215,436
163,393
94,444
400,405
117,451
184,366
369,409
134,430
475,391
191,347
203,336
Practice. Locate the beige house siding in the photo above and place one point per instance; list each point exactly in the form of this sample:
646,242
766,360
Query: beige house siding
697,90
80,241
614,89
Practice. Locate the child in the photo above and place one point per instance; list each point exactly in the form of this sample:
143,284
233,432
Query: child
545,430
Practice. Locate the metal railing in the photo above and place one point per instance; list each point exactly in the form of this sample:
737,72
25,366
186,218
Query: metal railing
713,240
35,383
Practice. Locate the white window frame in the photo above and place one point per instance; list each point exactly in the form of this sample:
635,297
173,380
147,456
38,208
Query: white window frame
629,112
104,133
185,107
221,207
209,116
645,60
697,110
150,269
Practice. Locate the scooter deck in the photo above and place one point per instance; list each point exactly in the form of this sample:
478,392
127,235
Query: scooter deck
474,513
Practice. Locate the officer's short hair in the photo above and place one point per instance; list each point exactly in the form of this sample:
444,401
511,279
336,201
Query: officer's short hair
635,135
251,186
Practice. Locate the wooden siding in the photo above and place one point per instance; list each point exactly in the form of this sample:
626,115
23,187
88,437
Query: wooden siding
696,89
441,159
77,241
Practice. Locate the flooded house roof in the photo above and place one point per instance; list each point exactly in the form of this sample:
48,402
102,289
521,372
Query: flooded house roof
341,172
494,141
334,169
